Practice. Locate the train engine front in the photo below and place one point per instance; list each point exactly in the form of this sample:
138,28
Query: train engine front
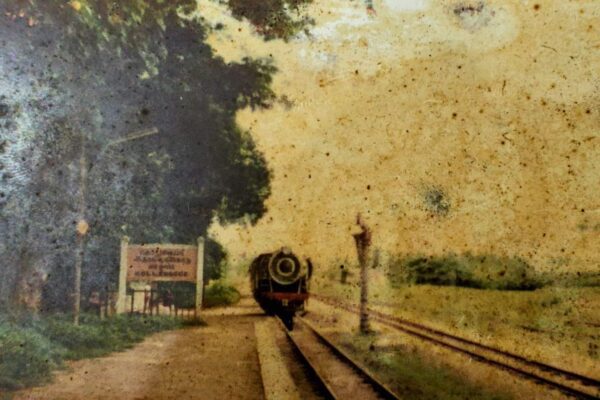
280,283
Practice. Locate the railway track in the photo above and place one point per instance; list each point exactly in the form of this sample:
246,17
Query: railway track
569,383
340,376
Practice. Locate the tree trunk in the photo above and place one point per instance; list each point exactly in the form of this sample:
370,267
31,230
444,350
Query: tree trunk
27,294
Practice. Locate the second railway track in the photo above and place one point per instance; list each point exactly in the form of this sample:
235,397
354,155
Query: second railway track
340,375
570,383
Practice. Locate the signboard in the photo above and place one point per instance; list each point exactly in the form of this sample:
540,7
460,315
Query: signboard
161,263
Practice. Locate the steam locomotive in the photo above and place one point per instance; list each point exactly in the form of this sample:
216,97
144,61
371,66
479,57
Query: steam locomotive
280,283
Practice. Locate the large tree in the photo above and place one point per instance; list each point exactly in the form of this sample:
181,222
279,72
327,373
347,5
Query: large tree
78,77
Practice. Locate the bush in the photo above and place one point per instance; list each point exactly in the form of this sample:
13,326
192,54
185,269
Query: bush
502,273
26,357
219,294
215,294
31,348
439,271
476,271
95,337
573,278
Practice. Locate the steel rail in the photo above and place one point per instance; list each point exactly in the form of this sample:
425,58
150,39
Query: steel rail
313,369
428,334
380,388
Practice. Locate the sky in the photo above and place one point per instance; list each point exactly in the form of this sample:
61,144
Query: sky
451,126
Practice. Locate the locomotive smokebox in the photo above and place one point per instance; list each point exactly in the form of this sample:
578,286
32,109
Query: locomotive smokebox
284,267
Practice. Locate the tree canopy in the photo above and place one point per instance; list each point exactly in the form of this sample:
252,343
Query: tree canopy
90,75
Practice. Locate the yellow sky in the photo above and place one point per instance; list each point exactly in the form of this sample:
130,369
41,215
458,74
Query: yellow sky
496,105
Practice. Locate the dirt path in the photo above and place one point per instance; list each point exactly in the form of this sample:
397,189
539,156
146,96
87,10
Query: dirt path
218,361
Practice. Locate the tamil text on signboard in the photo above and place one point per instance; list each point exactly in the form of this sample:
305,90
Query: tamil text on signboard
161,263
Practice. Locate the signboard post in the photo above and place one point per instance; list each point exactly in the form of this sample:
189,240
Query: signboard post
121,299
161,263
199,276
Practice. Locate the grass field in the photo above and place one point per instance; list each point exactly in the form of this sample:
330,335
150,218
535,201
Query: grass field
415,377
556,325
411,369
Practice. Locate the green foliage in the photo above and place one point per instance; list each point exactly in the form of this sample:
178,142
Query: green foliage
99,73
215,258
467,270
31,348
216,294
573,279
438,271
80,341
184,293
251,173
272,18
220,294
26,356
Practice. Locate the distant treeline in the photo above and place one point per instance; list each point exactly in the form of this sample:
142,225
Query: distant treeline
480,271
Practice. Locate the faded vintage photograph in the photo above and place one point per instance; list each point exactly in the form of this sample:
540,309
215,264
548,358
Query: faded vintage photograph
299,199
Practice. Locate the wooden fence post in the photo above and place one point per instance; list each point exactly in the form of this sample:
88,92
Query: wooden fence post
132,302
145,300
157,302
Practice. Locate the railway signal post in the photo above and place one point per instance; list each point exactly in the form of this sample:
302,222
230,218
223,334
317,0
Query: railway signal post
363,243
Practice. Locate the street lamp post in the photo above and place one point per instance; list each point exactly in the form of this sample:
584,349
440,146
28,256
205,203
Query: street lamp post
82,225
